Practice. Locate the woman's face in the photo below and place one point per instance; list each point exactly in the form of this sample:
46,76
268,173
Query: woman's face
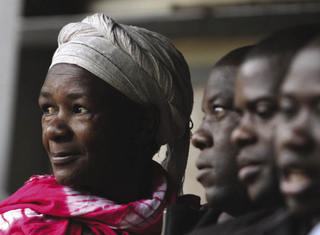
85,127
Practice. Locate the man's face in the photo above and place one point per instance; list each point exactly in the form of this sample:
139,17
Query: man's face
298,133
255,98
217,160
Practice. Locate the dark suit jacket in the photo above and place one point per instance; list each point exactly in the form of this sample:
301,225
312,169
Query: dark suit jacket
235,226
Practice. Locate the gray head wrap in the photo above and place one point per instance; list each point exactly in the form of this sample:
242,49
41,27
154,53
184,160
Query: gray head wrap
144,66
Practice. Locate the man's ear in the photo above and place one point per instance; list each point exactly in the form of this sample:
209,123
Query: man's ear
148,125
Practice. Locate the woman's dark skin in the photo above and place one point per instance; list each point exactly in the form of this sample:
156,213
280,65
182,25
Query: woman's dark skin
93,135
298,133
256,94
217,160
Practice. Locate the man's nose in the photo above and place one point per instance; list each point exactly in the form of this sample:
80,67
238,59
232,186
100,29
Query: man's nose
297,135
243,135
202,139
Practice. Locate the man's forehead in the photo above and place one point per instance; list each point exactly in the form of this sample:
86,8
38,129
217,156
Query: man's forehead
251,89
304,72
307,60
297,85
222,76
259,73
221,83
254,66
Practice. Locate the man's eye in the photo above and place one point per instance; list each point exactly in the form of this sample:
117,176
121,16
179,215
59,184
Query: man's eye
80,109
316,107
265,109
219,111
287,107
238,111
49,110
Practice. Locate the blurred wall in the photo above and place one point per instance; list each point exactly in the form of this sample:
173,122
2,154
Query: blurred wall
9,23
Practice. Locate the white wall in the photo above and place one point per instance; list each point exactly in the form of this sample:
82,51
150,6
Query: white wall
9,23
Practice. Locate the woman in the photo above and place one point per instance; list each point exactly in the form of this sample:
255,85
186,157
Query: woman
112,96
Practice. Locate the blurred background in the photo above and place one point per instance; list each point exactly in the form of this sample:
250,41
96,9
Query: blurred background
203,30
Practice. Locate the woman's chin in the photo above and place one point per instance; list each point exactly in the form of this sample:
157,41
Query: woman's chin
70,179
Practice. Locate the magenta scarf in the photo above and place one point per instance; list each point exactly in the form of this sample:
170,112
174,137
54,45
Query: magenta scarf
42,206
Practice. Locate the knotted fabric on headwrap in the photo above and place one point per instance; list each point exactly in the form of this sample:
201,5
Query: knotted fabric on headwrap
144,66
42,206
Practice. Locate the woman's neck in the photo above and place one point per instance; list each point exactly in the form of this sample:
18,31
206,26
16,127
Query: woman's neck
134,184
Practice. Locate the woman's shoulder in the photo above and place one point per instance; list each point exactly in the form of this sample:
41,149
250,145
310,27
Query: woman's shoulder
42,178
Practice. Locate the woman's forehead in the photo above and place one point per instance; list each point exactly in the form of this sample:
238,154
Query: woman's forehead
67,78
68,69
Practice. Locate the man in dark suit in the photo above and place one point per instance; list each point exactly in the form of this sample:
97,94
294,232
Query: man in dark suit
256,94
225,194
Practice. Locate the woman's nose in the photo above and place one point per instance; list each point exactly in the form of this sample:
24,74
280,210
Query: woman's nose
202,139
242,136
58,130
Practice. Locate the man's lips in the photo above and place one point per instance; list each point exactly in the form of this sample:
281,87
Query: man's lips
249,169
203,175
62,158
298,174
295,183
296,180
205,171
249,173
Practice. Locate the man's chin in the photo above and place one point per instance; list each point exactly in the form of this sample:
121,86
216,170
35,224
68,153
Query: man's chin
219,197
264,195
303,206
255,191
213,197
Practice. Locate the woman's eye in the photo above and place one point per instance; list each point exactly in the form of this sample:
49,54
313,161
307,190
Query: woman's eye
265,109
49,110
80,109
219,111
287,107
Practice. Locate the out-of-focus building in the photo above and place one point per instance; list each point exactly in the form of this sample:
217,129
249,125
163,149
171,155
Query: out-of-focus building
204,30
9,24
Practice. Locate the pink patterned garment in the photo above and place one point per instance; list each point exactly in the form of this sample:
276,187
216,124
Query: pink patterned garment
42,206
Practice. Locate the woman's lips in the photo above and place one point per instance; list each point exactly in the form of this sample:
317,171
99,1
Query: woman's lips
63,158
